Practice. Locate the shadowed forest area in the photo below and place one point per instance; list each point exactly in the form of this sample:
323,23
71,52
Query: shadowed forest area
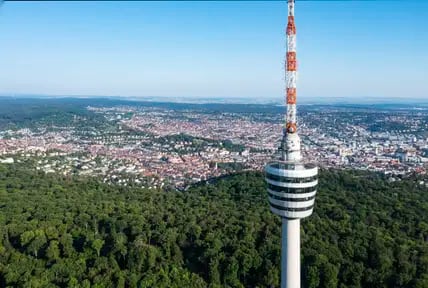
78,232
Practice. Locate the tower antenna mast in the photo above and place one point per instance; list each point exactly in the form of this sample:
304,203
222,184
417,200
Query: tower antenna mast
291,141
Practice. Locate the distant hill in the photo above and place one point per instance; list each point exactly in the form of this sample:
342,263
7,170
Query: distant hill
19,112
262,100
77,232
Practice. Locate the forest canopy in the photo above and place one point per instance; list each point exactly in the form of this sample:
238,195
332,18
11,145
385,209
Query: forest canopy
78,232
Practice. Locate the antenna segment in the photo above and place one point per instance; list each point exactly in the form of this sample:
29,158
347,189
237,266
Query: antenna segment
291,141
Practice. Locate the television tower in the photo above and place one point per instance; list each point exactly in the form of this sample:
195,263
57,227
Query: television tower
292,183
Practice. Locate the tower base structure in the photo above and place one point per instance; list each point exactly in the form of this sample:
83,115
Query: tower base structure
290,253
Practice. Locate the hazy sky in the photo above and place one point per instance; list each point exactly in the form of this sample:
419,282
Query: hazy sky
213,49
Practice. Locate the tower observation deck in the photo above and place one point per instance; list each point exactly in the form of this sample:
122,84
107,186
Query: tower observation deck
291,188
291,182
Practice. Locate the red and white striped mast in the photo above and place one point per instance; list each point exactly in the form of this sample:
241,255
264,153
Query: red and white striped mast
291,140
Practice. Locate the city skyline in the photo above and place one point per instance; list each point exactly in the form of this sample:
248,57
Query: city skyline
213,49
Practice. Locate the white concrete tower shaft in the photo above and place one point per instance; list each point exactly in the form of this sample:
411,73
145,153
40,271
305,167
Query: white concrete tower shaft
290,253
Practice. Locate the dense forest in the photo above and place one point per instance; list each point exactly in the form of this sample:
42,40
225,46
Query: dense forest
77,232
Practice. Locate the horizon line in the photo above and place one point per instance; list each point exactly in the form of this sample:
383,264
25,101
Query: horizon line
229,100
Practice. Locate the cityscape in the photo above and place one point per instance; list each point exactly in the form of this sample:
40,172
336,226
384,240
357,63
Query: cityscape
154,146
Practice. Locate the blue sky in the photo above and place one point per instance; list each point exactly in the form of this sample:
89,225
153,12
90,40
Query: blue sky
214,49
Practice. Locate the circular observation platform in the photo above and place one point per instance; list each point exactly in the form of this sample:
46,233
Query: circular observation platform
291,187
